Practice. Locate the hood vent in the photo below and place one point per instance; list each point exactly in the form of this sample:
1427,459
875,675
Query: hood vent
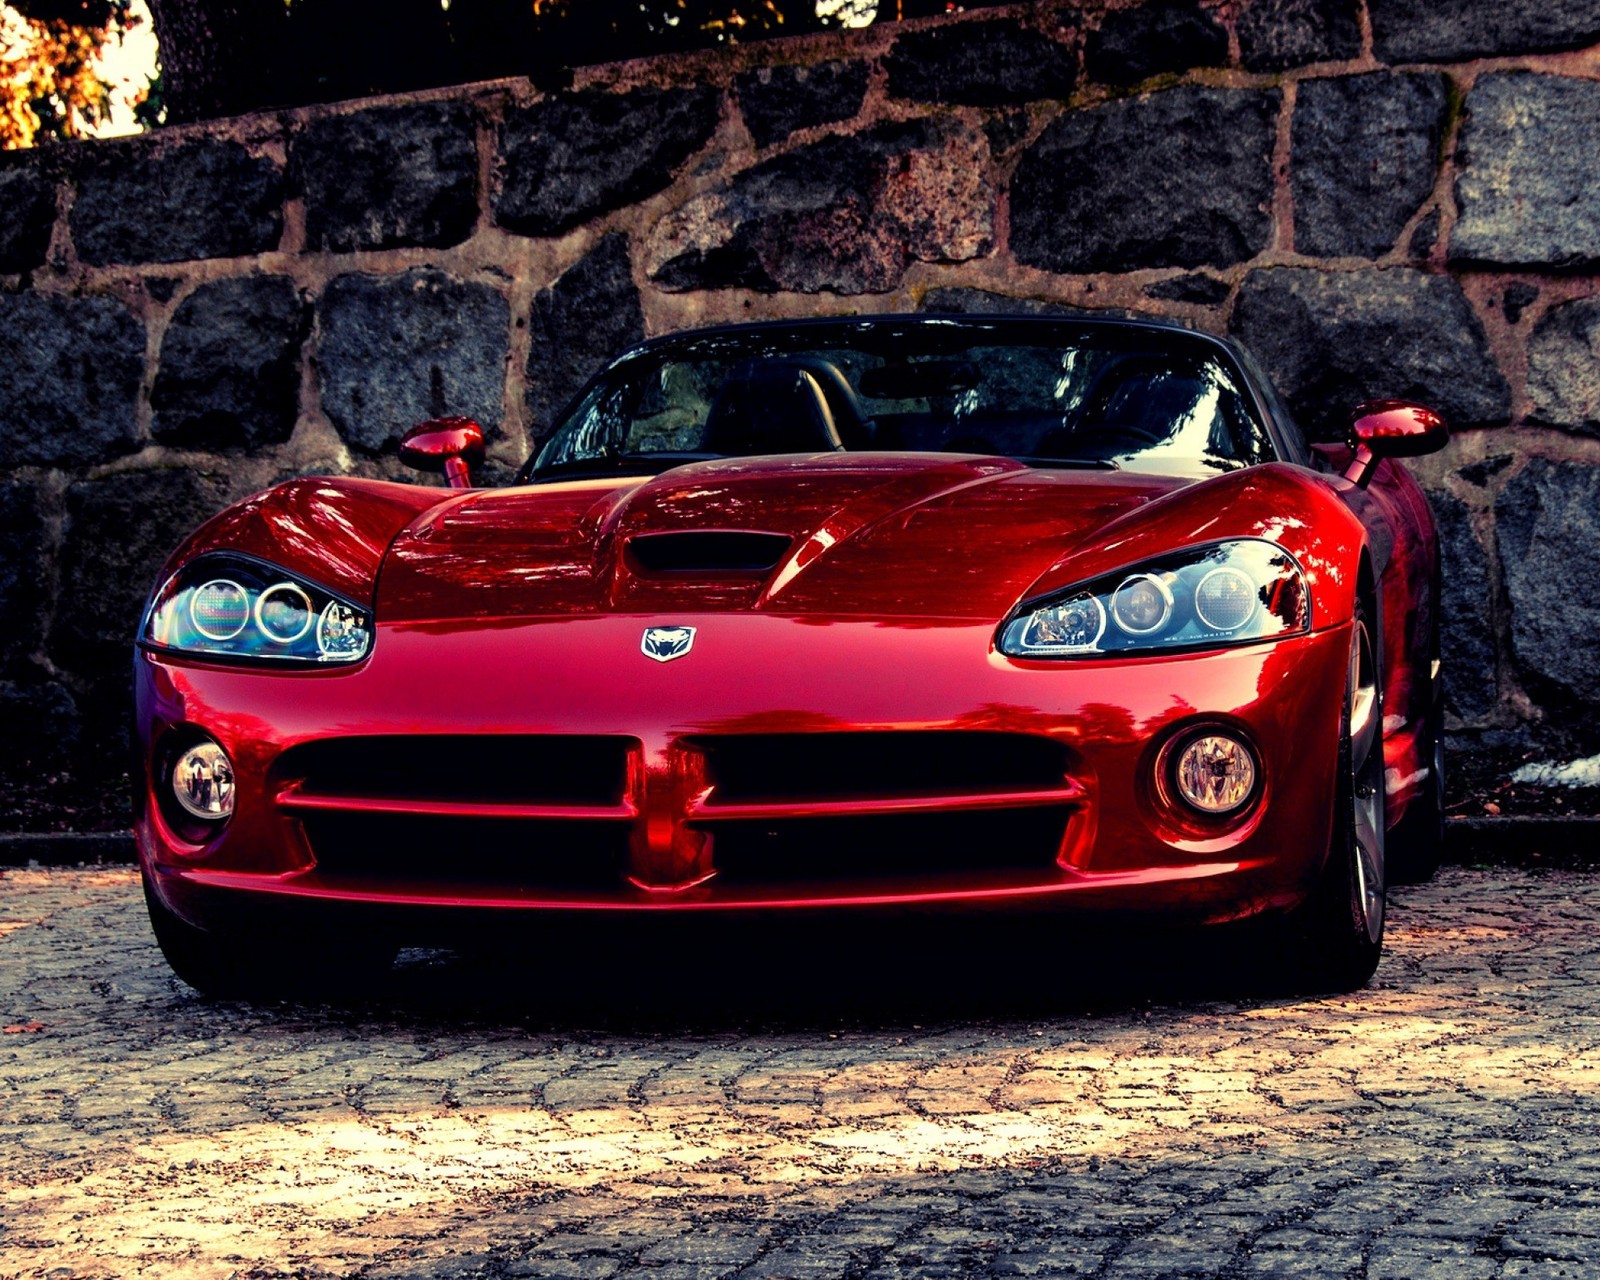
717,551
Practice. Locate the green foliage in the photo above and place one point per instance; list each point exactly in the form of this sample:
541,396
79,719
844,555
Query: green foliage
49,84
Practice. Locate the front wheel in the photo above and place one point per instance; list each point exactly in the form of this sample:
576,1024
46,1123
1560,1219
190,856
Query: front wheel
1339,930
1417,842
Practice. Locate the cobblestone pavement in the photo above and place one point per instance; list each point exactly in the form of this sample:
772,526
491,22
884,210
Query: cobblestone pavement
1442,1123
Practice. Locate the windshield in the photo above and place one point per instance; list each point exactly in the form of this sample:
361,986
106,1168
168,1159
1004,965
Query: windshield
1048,394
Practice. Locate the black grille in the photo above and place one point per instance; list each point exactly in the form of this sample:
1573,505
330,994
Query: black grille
845,765
713,552
486,852
919,847
547,769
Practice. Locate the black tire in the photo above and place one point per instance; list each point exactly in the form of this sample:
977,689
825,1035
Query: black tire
1416,844
1338,932
268,967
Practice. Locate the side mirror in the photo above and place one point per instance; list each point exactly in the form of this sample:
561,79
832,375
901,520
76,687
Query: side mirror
450,445
1392,429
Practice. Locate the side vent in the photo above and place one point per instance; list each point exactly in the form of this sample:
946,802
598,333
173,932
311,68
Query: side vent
718,551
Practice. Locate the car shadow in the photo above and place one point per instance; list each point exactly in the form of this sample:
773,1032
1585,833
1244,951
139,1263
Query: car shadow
658,977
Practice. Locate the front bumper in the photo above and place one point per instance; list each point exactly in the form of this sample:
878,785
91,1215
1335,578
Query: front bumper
675,833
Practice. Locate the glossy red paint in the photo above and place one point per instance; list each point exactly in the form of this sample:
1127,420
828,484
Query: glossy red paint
451,445
1109,720
865,530
869,638
1399,428
881,618
1395,509
331,530
1391,429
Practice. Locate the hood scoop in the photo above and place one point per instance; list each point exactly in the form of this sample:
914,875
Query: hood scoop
708,551
863,534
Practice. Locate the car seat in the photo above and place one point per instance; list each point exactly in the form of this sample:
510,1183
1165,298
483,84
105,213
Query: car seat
800,405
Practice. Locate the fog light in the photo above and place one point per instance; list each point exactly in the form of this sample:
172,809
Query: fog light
202,781
1215,773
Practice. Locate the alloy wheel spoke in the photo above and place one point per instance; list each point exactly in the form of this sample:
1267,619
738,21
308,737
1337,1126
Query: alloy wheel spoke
1371,878
1366,782
1363,701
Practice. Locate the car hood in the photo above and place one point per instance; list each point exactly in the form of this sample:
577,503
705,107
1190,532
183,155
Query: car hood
889,535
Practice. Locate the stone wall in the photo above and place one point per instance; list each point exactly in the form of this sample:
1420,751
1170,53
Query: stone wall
1390,197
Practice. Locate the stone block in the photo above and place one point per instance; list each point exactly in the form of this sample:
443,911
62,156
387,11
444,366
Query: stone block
230,370
1466,608
1427,31
1528,173
69,379
1548,516
1007,129
1200,288
1364,154
23,594
106,575
776,101
568,158
1426,235
845,214
1275,35
1131,45
1332,339
144,202
959,301
29,201
980,64
1481,472
1191,185
388,176
1564,365
589,315
47,735
396,350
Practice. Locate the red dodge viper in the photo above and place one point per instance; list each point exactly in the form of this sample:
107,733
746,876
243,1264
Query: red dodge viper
914,612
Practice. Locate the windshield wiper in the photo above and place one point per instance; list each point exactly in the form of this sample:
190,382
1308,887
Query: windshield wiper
1087,464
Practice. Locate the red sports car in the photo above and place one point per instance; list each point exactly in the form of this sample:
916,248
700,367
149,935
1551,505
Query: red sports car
912,612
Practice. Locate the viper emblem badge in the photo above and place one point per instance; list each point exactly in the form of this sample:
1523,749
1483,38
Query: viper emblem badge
666,643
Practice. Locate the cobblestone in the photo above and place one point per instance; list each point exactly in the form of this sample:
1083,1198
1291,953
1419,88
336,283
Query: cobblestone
1440,1123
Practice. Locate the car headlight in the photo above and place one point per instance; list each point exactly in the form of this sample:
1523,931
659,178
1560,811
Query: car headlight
1219,594
238,607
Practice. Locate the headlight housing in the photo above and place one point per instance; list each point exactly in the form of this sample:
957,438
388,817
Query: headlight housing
241,608
1220,593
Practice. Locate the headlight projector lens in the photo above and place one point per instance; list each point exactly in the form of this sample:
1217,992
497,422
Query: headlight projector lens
227,607
1215,773
1226,599
202,781
220,609
1238,591
284,613
1142,605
